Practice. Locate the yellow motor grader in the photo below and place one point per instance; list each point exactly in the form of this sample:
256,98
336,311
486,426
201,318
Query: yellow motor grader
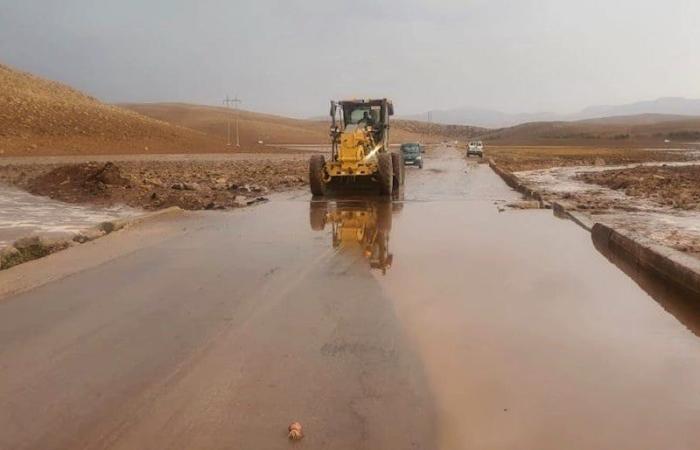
360,148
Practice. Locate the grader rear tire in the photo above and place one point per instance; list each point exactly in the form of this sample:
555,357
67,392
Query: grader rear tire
386,174
316,175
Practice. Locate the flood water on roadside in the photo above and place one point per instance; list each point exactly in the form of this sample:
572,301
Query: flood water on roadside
22,214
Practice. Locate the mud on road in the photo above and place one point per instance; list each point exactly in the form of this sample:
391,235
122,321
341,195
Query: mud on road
525,158
155,184
666,185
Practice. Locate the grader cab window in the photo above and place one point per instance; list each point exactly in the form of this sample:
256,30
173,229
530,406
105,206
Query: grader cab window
358,114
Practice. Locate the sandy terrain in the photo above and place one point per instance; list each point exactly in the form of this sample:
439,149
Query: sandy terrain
39,117
253,127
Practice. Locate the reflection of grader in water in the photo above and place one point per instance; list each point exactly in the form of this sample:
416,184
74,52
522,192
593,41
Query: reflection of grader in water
360,224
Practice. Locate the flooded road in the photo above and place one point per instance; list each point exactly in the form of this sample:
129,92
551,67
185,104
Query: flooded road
431,322
22,214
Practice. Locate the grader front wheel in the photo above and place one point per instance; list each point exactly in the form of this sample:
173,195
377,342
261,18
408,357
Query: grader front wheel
316,175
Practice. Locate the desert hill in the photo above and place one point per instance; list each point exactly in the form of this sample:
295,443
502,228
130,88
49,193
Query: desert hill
271,129
253,126
490,118
636,130
43,117
432,131
40,117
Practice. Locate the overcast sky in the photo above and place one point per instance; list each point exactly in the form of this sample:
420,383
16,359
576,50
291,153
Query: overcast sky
292,56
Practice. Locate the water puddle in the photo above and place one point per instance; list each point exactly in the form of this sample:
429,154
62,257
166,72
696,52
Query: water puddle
357,226
22,214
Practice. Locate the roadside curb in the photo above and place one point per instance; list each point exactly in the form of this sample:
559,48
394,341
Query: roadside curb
146,231
515,183
666,262
578,218
35,247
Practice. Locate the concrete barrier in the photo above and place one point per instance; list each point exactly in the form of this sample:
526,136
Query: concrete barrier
34,247
114,225
668,263
514,182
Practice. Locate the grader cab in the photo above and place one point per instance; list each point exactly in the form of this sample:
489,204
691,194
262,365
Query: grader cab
359,148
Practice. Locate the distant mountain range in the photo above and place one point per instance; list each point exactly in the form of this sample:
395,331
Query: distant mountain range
496,119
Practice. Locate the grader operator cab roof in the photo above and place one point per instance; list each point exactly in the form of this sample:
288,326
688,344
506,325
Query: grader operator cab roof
369,102
353,111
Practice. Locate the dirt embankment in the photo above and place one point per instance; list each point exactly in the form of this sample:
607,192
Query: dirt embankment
159,184
516,159
673,186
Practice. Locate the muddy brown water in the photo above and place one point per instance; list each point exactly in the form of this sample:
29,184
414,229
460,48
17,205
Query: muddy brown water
431,322
23,214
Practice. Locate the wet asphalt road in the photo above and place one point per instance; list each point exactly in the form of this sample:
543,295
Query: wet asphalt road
432,322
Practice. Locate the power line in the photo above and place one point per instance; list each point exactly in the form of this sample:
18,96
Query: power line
228,101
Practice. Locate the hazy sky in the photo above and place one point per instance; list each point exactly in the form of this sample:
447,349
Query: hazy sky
292,56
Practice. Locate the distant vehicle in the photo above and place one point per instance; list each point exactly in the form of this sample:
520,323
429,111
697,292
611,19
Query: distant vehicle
475,148
412,154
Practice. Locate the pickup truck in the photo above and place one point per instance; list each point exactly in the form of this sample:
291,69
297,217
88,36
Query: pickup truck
475,148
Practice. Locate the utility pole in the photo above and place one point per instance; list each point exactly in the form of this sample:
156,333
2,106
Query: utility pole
228,101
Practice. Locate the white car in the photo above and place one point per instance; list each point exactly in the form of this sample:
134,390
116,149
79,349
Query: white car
475,148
